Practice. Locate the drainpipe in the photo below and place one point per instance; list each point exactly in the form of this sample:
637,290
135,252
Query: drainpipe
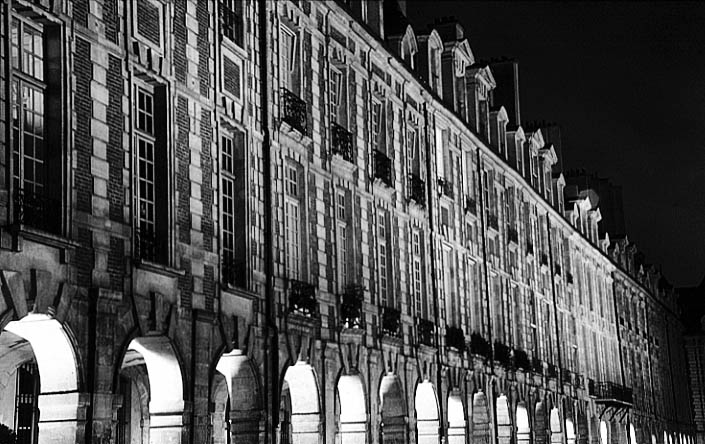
271,367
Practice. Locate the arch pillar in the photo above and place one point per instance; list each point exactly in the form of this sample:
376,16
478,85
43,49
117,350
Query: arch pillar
244,412
480,419
555,426
504,422
393,418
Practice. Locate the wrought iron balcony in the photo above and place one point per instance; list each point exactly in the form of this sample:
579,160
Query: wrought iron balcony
529,248
342,142
512,235
148,246
557,269
36,210
569,277
479,345
493,221
351,313
383,168
302,298
551,371
391,321
232,272
544,259
521,360
425,331
536,365
294,111
445,187
417,189
611,393
470,205
566,376
502,354
455,338
577,380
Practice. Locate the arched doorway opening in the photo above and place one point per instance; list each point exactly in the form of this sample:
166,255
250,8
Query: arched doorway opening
604,435
569,431
632,434
39,396
456,418
236,398
555,426
393,410
480,419
426,404
353,410
523,425
299,409
504,422
151,386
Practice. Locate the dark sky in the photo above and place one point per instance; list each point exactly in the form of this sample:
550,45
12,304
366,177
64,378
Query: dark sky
626,82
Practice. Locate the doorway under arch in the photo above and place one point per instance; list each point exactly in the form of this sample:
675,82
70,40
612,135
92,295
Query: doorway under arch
456,418
300,414
39,397
504,422
353,410
392,409
480,419
523,425
426,404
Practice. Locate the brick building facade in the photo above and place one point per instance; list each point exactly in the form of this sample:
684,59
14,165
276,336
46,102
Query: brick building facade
306,222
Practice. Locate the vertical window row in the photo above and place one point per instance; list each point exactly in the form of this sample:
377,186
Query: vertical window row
292,221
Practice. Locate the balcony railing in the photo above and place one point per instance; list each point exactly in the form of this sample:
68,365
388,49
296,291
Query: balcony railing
351,313
529,248
557,269
425,330
445,187
470,205
577,380
148,246
569,277
521,360
544,259
479,345
342,142
232,271
502,354
493,221
294,111
551,371
566,376
383,168
302,298
610,393
455,338
391,321
512,235
417,189
37,211
536,365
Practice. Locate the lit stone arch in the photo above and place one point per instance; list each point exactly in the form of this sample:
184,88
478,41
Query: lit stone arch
604,433
40,341
426,405
150,365
480,419
353,410
456,418
569,431
632,434
555,426
523,424
237,400
300,417
392,410
654,440
504,422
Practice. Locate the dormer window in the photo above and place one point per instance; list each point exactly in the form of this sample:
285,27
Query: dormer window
435,69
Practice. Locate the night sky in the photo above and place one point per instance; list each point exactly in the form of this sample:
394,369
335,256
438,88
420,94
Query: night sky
626,82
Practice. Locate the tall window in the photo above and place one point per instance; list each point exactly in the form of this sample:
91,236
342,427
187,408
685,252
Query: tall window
337,99
342,241
412,150
26,404
378,126
292,215
417,272
231,20
383,257
232,166
290,64
37,190
435,63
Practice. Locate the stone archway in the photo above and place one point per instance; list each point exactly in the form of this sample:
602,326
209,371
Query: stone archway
632,434
151,386
352,406
426,405
504,421
456,418
300,412
480,419
393,410
604,433
236,394
570,436
37,357
523,424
